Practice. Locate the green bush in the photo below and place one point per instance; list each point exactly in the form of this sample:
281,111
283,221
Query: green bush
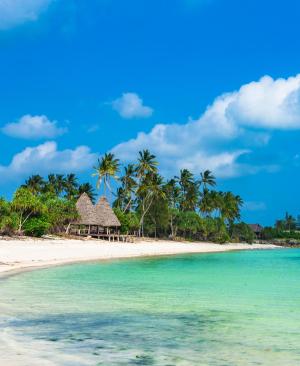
242,232
8,224
36,226
129,221
8,220
270,233
219,234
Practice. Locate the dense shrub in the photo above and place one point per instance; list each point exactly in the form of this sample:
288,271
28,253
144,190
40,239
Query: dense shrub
270,233
220,233
129,221
36,226
242,232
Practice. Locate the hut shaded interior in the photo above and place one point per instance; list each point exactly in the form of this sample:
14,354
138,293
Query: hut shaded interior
95,220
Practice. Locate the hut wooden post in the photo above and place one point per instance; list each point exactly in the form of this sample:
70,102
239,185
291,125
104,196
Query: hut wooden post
68,228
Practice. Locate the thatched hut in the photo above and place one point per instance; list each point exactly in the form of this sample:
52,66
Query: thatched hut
95,220
105,215
86,211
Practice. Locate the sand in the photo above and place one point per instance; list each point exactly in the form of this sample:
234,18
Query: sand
29,253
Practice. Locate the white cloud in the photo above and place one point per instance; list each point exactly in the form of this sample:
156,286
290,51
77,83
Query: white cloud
130,105
228,131
33,127
46,158
254,206
15,12
268,103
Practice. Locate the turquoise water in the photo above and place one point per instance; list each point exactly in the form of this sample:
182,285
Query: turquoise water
238,308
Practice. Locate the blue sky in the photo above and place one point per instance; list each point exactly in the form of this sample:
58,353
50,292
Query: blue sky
202,83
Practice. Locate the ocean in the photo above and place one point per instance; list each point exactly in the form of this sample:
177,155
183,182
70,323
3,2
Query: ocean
222,309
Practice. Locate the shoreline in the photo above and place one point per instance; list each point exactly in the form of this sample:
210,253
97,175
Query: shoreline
29,254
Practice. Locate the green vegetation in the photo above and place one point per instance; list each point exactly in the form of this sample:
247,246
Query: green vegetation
42,206
185,206
287,229
181,207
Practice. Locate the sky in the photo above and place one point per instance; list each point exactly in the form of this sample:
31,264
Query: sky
203,84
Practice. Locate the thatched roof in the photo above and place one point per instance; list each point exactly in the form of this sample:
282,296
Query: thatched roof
256,228
101,214
105,214
86,211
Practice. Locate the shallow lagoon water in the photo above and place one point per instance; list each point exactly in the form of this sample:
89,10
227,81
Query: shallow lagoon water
237,308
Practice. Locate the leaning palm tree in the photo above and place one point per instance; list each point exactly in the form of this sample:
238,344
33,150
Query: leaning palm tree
207,179
129,186
107,168
150,189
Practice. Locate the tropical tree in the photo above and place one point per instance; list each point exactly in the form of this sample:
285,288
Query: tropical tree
35,184
242,232
25,204
149,189
190,224
146,165
189,190
172,192
88,189
107,169
129,185
70,186
207,179
55,184
289,222
230,207
120,200
7,220
59,212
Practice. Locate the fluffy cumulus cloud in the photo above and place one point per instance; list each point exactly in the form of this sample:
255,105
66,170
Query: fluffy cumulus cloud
130,105
15,12
46,158
33,127
225,137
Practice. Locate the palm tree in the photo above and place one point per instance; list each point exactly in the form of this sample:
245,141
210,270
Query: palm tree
189,190
70,185
172,192
230,206
150,188
129,185
88,189
146,164
35,184
120,199
207,179
55,184
107,168
185,179
146,171
289,221
207,203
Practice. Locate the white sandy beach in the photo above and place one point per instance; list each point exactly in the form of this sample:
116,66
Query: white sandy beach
31,253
